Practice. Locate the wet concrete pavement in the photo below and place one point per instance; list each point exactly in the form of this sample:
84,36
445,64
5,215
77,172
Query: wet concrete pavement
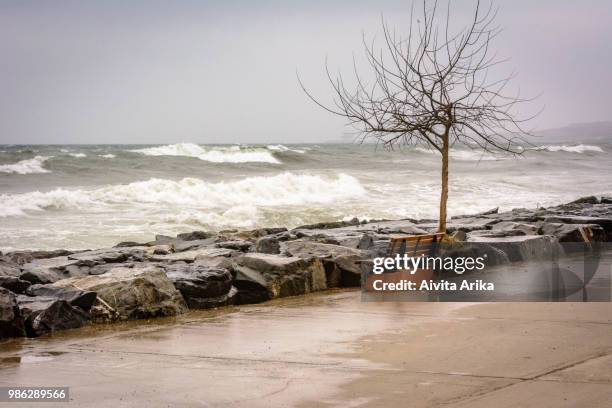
331,349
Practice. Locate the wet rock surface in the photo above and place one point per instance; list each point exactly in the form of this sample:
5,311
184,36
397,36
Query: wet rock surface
202,286
44,315
130,293
201,269
11,320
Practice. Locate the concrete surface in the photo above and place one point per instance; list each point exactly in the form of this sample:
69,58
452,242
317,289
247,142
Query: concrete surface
331,349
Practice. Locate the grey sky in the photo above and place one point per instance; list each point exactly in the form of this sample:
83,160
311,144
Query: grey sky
224,72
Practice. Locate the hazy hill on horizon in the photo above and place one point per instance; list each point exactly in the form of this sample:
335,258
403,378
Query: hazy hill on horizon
575,133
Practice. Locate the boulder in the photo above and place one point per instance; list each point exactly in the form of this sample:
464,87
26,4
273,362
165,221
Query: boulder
342,264
267,245
191,255
127,244
470,224
23,257
11,320
181,246
603,222
46,315
518,227
523,247
50,270
76,297
202,287
571,235
492,255
586,200
366,242
8,268
237,245
331,225
14,284
480,214
258,233
195,235
109,255
130,293
260,277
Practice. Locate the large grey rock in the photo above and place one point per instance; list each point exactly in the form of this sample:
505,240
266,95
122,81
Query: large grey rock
463,224
191,255
8,268
11,320
586,200
109,255
193,244
520,228
76,297
195,235
46,315
23,257
523,247
202,287
260,277
366,242
331,224
491,255
53,269
342,264
14,284
237,245
267,245
572,233
131,293
480,214
603,222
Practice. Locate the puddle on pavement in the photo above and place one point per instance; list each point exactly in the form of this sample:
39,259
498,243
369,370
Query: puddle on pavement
30,358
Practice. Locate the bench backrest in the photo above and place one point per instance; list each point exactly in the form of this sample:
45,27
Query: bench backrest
414,245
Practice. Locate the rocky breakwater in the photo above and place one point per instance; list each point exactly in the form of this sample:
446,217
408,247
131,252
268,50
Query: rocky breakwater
45,291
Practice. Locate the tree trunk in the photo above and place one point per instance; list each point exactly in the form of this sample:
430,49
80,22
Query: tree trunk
444,186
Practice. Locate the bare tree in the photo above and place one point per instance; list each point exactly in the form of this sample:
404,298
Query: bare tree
433,88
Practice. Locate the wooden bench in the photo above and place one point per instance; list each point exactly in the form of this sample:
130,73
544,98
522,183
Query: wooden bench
414,245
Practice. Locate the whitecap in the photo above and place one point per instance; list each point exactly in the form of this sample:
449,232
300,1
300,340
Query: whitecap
283,148
579,148
285,189
28,166
108,156
77,155
217,154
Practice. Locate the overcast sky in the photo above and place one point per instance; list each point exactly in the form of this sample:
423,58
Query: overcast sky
225,71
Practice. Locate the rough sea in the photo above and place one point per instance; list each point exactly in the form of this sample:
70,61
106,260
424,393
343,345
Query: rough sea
78,197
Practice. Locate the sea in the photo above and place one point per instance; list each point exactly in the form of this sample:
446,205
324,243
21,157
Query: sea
92,196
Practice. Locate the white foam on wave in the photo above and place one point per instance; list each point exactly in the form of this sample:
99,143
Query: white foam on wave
580,148
220,154
282,148
108,156
285,189
77,155
28,166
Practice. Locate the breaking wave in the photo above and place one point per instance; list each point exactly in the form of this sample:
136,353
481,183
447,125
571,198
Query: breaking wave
77,155
286,189
282,148
580,148
221,154
108,156
29,166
